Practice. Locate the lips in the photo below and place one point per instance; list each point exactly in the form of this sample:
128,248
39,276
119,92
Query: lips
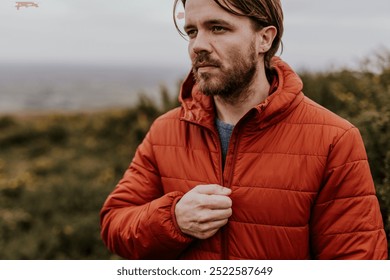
206,66
203,60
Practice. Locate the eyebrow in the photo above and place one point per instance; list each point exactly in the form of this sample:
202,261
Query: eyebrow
210,22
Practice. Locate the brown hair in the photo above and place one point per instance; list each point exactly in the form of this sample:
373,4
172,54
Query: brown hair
262,12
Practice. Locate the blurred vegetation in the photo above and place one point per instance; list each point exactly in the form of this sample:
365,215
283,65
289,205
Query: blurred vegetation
363,98
56,170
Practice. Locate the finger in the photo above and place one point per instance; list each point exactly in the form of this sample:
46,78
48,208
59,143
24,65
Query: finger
213,215
203,231
212,226
216,201
212,189
205,235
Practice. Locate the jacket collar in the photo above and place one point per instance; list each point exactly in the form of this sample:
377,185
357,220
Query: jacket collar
198,108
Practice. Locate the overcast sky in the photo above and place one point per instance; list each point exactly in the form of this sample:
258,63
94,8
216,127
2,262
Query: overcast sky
318,34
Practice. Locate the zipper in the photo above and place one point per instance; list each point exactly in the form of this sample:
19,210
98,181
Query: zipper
225,230
235,136
234,140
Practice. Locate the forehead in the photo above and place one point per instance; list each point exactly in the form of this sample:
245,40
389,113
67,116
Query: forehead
199,11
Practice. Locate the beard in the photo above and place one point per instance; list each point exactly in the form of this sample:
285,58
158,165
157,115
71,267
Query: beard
229,83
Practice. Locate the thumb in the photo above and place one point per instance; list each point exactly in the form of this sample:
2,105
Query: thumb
212,189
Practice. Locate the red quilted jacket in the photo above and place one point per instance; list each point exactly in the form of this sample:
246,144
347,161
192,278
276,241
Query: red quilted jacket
300,180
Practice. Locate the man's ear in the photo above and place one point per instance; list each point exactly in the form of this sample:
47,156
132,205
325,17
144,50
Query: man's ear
266,38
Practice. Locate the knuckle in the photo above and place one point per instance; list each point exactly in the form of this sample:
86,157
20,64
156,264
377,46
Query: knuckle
197,187
229,201
203,229
202,217
202,236
224,222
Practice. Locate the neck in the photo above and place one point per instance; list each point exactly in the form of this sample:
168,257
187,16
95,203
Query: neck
231,111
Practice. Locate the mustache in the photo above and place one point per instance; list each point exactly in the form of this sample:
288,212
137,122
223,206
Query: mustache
204,58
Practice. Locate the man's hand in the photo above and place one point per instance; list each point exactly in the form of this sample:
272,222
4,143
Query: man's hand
203,210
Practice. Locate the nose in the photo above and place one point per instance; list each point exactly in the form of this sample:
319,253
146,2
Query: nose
201,43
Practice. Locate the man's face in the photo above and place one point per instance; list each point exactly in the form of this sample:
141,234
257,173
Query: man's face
222,48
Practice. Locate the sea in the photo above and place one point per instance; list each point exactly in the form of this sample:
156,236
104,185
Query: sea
38,88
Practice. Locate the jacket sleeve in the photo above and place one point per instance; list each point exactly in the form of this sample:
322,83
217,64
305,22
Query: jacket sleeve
346,222
137,219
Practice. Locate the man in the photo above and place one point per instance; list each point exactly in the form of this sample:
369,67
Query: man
247,167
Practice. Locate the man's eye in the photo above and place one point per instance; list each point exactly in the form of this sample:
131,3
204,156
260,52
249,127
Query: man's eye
218,29
191,33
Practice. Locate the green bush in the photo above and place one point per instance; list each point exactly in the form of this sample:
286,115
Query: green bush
55,173
362,97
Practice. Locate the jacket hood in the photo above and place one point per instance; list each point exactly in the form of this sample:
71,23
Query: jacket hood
199,108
